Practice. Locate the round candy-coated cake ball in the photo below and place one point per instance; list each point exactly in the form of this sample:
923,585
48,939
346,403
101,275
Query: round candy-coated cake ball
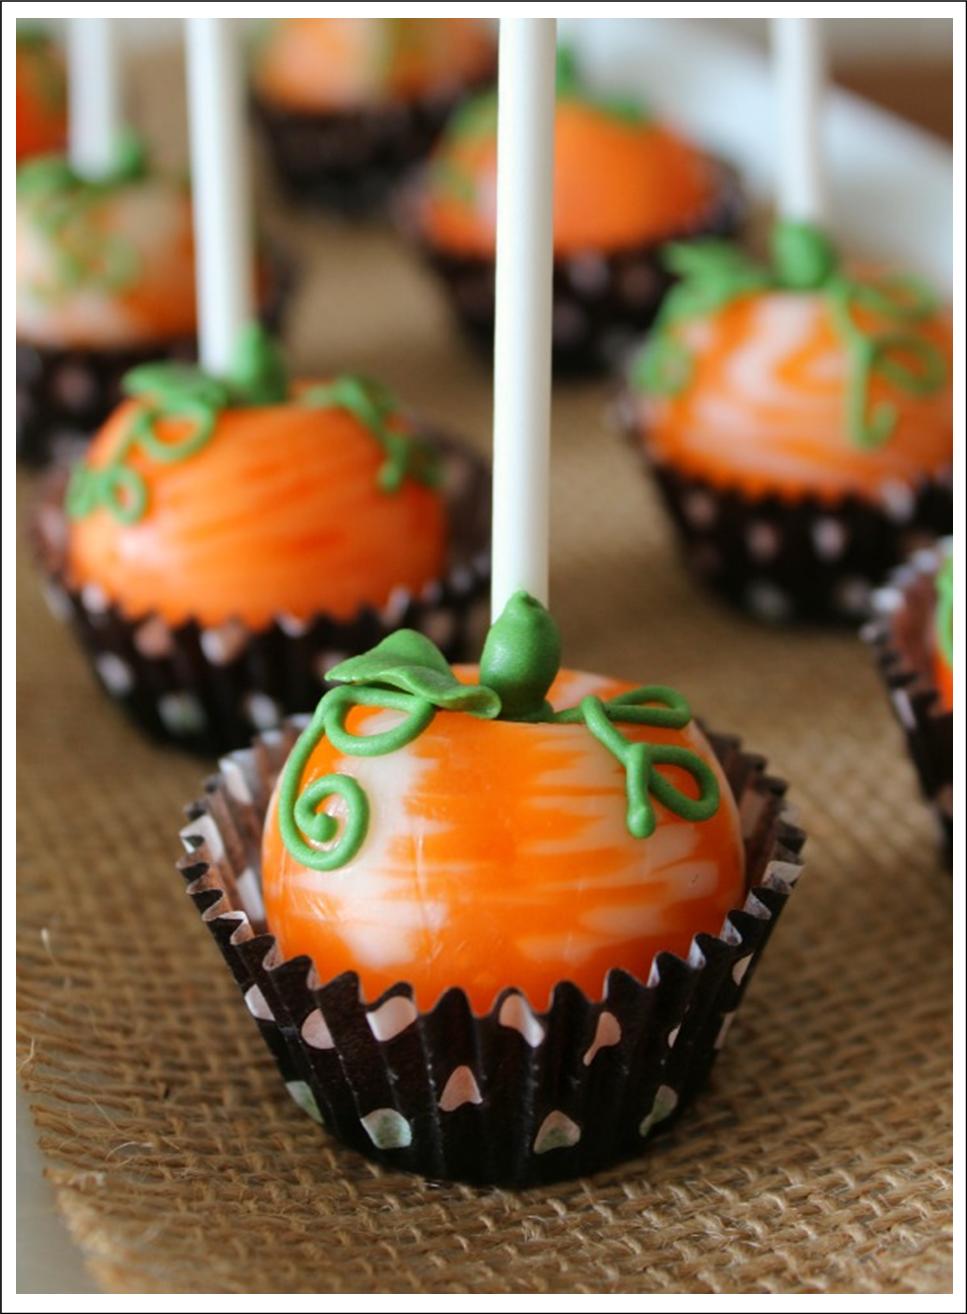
280,512
498,854
619,181
104,268
767,403
318,64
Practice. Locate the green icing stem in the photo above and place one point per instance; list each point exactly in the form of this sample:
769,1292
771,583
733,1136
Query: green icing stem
713,274
171,391
945,609
521,656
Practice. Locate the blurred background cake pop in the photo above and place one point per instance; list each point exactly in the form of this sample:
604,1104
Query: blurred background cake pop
797,413
347,104
105,260
624,183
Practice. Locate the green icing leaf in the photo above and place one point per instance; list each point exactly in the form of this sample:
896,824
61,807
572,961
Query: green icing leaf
476,118
410,662
172,383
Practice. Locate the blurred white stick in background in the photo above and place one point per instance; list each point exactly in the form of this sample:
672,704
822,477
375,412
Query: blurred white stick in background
94,91
221,190
522,334
800,78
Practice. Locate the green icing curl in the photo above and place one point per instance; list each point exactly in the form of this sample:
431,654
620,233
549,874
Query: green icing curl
171,391
945,609
407,673
714,273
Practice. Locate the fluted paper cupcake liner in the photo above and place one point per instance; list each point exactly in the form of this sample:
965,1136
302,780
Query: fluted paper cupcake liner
808,560
64,394
209,688
603,300
516,1096
903,618
350,160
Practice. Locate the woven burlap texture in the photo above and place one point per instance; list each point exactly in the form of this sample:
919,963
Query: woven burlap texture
817,1160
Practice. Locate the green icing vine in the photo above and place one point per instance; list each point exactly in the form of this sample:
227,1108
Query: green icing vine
713,273
61,204
945,609
521,656
172,391
374,406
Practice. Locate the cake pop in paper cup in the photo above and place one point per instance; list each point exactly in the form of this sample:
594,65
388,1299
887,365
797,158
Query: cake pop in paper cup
347,104
225,537
798,419
501,917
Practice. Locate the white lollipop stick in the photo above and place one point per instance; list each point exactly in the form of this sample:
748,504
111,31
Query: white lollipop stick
94,90
221,192
799,71
522,334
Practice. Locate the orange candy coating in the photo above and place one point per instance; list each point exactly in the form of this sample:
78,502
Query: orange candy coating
41,104
319,64
498,855
279,514
765,409
617,184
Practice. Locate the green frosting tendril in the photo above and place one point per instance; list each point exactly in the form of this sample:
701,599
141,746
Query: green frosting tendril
171,391
713,273
406,673
61,205
374,406
945,609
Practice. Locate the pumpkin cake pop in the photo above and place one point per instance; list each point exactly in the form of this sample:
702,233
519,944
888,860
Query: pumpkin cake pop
347,104
520,892
798,419
223,537
911,634
624,183
41,94
105,281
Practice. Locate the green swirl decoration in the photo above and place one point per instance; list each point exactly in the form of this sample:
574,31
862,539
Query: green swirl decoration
714,273
945,609
61,205
171,391
407,673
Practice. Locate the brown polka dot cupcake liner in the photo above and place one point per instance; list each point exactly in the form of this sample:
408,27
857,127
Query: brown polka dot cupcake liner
517,1096
209,689
65,394
602,301
902,621
351,160
809,560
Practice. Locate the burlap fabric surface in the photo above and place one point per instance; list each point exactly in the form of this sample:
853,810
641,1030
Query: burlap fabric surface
817,1160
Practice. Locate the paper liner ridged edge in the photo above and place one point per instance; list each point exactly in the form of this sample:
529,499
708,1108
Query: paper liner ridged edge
350,160
208,689
515,1096
602,301
64,394
808,560
914,696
